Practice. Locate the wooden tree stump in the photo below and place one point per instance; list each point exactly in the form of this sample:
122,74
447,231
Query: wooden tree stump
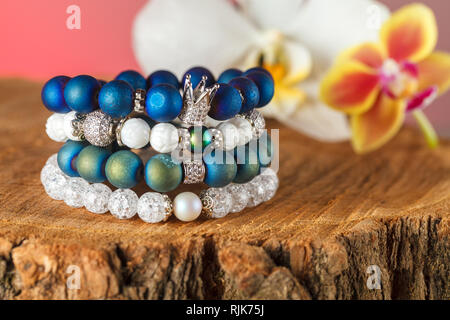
334,215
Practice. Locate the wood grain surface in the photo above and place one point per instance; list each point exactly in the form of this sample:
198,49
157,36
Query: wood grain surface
335,214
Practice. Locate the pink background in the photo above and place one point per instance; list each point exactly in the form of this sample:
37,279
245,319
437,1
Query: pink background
36,44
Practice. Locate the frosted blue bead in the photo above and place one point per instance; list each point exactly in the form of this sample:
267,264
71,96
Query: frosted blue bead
249,91
163,103
247,164
196,75
116,98
124,169
52,94
229,75
265,86
67,157
91,162
162,174
227,103
134,78
162,76
81,93
220,168
260,69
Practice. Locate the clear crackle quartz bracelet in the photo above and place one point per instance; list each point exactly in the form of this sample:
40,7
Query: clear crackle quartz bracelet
154,207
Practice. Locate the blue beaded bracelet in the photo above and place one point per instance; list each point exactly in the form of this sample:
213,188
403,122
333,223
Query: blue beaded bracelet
159,95
154,207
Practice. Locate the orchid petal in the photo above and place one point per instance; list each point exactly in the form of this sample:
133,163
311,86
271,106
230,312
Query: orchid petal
319,122
350,87
410,34
370,54
435,71
295,66
285,102
176,35
292,107
327,27
299,62
377,126
422,99
272,15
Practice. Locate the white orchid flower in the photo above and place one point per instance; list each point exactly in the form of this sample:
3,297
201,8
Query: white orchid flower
297,40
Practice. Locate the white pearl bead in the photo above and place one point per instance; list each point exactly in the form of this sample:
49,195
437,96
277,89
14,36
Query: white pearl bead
164,137
135,133
55,127
187,206
244,128
230,135
68,129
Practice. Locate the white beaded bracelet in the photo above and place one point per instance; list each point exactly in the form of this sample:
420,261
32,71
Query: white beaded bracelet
154,207
99,129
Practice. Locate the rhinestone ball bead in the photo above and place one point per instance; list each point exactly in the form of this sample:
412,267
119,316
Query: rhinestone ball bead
123,203
154,207
239,196
74,192
97,129
96,198
217,202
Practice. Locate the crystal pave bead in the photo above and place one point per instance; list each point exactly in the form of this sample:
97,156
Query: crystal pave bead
196,102
139,100
98,129
194,171
154,207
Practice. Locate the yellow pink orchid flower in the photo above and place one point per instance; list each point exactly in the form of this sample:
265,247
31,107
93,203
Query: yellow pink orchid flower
376,84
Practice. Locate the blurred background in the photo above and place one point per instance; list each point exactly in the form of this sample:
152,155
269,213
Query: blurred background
36,44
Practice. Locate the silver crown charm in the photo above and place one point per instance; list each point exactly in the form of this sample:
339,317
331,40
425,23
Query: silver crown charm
196,102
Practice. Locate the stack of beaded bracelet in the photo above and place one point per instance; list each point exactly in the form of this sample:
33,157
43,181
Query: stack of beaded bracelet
99,142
